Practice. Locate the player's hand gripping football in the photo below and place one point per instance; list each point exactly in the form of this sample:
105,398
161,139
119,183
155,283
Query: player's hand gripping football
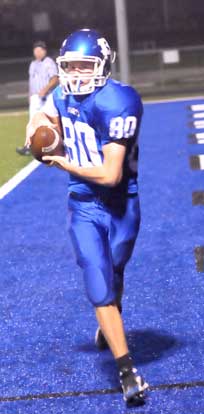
39,119
57,161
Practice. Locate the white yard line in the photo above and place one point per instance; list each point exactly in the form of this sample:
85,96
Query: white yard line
199,124
200,141
198,115
199,138
18,178
198,107
201,160
199,135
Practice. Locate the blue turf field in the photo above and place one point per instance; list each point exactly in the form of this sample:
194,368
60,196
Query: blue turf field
47,325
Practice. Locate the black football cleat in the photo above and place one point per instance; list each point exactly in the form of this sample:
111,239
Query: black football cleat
23,150
133,387
100,340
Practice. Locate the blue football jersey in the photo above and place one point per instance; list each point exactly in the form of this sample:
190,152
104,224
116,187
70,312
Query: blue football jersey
89,122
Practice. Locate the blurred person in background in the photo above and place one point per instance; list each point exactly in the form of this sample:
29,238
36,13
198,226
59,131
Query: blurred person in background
43,79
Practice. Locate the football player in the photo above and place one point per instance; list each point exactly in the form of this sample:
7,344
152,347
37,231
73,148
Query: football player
100,120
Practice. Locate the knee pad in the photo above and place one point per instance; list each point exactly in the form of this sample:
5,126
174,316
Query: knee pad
99,287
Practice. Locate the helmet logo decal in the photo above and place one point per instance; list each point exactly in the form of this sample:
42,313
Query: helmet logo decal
105,48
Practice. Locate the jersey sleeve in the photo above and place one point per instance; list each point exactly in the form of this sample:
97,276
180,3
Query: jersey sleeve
49,108
120,115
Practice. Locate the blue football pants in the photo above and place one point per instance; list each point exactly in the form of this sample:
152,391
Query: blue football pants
103,239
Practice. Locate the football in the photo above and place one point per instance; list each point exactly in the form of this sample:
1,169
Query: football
46,141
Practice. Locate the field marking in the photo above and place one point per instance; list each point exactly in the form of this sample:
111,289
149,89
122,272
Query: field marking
199,123
196,140
198,115
200,141
198,107
201,160
198,126
199,135
18,178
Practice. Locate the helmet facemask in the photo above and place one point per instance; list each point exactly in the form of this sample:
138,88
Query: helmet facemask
82,81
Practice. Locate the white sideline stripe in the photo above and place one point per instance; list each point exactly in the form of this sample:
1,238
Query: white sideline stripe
199,115
16,113
198,107
18,178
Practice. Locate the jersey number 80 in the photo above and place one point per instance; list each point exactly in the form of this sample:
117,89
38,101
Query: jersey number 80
122,128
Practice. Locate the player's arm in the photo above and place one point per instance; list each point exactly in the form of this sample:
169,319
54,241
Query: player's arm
108,174
53,82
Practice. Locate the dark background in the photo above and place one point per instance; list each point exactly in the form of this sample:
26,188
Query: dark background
151,23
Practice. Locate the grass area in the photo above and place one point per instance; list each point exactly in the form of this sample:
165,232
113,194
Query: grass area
12,134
